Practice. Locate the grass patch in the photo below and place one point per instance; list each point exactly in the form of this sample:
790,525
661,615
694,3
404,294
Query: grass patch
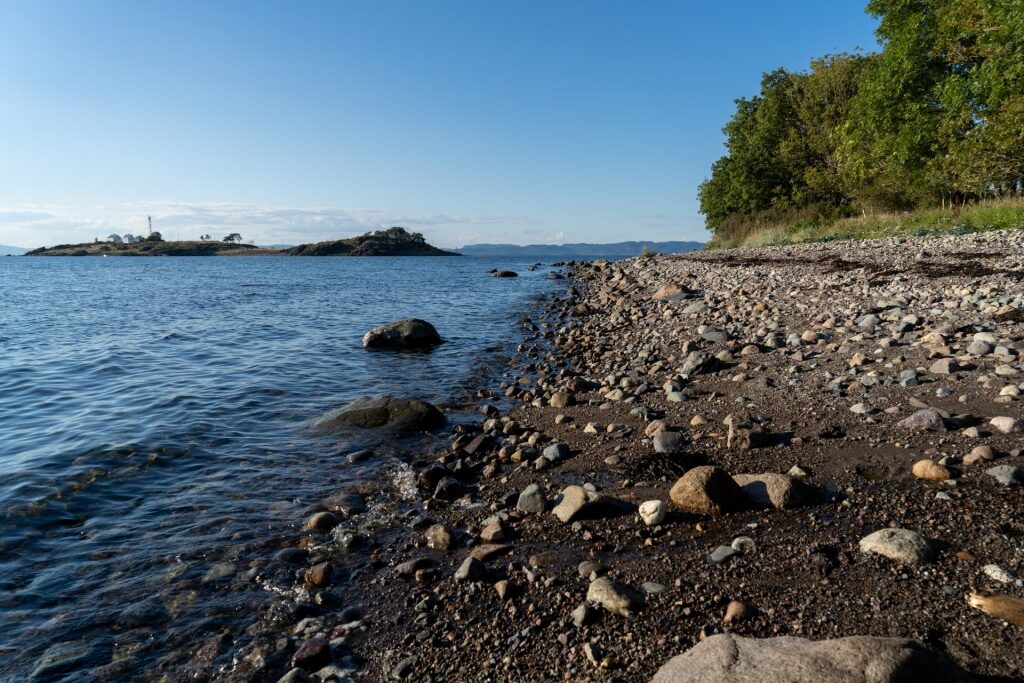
994,214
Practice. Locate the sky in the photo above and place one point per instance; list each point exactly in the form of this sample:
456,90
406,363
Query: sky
518,121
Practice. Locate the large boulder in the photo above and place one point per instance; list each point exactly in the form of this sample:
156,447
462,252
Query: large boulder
384,412
728,658
707,490
411,333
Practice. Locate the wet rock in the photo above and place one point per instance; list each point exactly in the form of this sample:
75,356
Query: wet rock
930,470
728,658
296,676
707,490
312,655
322,521
319,574
386,412
532,500
439,538
902,545
411,333
926,419
770,489
653,512
347,504
291,555
504,273
60,658
614,597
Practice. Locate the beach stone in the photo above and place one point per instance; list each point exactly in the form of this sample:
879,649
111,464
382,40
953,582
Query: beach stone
707,490
668,442
728,658
471,569
577,501
440,538
504,273
943,366
532,500
346,504
902,545
560,399
1007,475
1007,425
312,655
614,597
384,412
655,426
296,676
583,615
770,489
411,333
930,470
557,452
979,454
722,553
322,521
653,512
926,419
671,289
736,612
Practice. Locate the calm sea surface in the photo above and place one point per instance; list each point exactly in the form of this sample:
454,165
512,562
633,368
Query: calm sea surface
152,440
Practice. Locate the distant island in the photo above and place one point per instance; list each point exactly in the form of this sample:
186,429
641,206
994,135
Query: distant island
391,242
8,250
579,249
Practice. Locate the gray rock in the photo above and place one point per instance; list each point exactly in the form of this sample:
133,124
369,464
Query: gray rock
902,545
1007,475
557,452
385,412
532,500
722,553
728,658
578,502
926,419
583,615
668,442
411,333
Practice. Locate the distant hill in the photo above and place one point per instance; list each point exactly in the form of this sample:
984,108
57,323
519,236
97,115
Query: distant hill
578,250
390,242
6,250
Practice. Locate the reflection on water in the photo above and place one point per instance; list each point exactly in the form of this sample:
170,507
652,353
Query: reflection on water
151,441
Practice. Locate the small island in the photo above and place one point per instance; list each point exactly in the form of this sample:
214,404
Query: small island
391,242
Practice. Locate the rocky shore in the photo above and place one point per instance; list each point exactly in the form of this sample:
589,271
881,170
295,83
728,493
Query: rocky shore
731,455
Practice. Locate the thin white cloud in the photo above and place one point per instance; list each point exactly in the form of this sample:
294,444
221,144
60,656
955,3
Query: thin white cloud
38,226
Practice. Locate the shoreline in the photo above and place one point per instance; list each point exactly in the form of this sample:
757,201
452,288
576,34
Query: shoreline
817,355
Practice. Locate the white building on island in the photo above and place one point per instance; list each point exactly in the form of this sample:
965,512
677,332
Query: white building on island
116,239
129,238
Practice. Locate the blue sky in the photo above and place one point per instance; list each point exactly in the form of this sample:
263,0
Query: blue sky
469,121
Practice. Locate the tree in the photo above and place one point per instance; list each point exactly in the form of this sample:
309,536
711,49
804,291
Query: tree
233,237
155,237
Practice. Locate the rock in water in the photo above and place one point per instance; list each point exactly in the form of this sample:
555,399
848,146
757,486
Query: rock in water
728,658
385,412
902,545
411,333
708,490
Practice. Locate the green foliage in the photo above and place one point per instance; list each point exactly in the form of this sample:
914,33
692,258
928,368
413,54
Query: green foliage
935,119
233,237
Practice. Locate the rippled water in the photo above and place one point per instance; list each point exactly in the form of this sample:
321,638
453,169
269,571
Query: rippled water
151,430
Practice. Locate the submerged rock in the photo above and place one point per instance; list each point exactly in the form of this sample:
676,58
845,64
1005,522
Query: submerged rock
411,333
384,412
